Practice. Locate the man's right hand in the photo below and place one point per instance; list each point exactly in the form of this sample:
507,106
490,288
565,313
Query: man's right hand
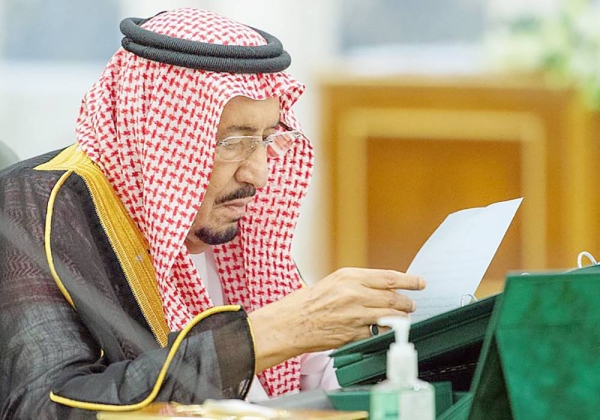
335,311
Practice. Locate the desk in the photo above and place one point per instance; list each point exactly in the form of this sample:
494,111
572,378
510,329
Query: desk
166,411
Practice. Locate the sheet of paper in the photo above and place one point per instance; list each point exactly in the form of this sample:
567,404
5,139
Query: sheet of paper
457,255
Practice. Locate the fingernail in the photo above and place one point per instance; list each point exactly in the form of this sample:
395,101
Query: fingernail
422,283
414,306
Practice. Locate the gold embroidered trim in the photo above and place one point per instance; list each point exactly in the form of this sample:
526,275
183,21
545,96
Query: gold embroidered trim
161,376
47,233
130,247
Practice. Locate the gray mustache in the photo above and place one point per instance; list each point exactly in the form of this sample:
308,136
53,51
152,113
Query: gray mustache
245,191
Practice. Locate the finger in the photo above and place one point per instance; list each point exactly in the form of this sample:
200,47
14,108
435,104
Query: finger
381,330
390,279
375,314
365,331
375,298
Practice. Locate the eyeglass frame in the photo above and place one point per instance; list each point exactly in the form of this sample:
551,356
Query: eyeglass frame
265,142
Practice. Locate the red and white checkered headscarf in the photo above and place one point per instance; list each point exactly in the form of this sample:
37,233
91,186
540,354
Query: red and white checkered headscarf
152,127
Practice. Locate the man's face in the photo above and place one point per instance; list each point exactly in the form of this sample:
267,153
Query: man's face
232,184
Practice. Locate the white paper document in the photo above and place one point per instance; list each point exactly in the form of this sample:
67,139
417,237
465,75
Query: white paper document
457,255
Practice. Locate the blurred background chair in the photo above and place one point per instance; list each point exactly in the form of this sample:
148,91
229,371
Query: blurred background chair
7,156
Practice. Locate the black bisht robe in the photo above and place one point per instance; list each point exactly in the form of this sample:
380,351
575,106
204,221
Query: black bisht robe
81,323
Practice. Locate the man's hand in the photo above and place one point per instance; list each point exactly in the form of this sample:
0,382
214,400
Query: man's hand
333,312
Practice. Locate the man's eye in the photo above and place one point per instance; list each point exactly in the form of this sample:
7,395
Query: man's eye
235,145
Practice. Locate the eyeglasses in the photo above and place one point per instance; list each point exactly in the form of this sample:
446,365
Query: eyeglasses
239,148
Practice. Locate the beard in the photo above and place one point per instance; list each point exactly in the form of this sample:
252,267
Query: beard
212,236
216,237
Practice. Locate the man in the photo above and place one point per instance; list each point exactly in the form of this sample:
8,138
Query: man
187,144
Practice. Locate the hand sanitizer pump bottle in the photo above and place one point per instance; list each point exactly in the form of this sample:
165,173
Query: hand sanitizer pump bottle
402,396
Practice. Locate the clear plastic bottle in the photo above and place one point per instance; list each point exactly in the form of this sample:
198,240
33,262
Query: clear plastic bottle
402,395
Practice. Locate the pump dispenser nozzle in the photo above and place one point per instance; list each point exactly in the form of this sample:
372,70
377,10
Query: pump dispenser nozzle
402,396
402,362
400,325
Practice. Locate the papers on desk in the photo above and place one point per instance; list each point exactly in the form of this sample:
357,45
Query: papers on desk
457,255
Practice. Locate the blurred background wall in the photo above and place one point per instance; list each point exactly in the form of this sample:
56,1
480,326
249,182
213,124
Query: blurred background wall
51,52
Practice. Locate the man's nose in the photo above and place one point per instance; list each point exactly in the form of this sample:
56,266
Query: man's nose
254,170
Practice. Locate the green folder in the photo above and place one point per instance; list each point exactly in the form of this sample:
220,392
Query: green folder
541,353
448,346
541,357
